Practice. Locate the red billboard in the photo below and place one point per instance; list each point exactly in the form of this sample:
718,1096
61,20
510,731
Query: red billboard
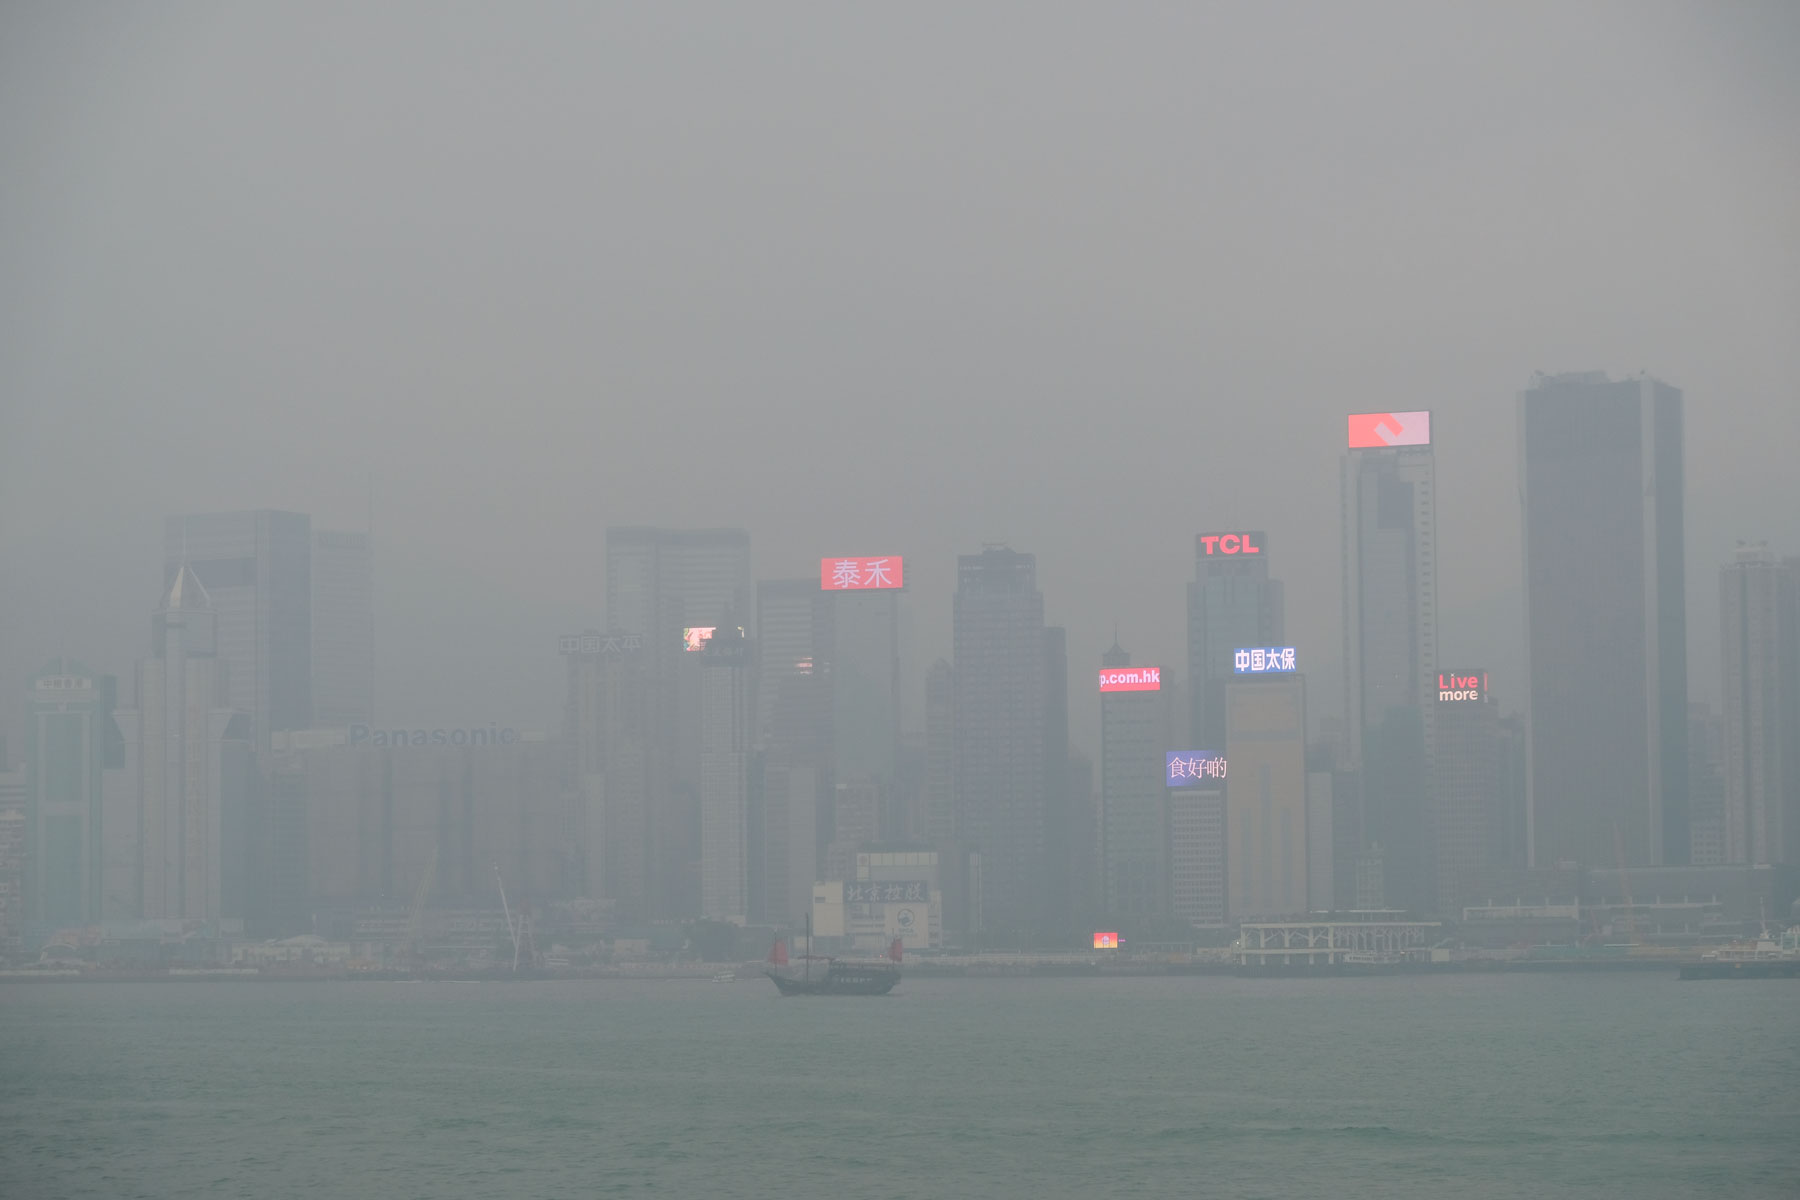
860,574
1131,679
1213,545
1375,431
1106,941
1462,685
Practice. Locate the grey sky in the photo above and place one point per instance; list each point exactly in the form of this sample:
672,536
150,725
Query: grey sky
1089,279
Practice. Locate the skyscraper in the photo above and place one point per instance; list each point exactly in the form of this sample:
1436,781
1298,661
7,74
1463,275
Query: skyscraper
726,738
191,754
343,629
1133,812
1232,602
257,569
1265,797
607,735
998,623
1706,786
1600,480
71,741
660,582
1760,615
1468,818
1389,485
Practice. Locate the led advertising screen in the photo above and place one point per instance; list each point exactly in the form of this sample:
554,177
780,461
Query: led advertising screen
1194,768
1225,545
1106,941
694,637
1131,679
861,574
1375,431
1461,686
1259,660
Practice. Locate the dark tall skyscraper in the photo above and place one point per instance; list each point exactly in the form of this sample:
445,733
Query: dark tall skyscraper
1232,602
1389,484
1760,616
257,568
1000,691
1600,478
1468,817
1058,828
607,737
1133,809
70,742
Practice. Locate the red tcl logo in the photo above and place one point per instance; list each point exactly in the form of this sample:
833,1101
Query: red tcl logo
1229,543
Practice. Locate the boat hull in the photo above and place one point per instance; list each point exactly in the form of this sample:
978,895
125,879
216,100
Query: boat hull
840,979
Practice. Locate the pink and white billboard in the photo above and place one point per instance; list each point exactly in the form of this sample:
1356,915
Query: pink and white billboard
1374,431
860,574
1131,679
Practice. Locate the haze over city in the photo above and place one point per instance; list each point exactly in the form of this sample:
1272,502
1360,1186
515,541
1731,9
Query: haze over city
1080,282
795,600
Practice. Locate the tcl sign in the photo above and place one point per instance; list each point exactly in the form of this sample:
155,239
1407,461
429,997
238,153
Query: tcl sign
1462,685
1212,544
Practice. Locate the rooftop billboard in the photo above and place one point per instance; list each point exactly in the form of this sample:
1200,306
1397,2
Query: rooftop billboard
1194,768
696,636
1462,685
1214,545
861,574
1131,679
1376,431
1259,660
1106,941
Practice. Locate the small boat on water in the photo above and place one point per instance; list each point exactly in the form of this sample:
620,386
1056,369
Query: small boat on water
1765,957
725,977
823,975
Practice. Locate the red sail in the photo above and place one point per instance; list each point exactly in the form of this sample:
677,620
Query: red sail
778,953
894,950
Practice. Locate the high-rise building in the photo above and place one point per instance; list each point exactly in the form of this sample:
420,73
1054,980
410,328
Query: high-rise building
1468,818
1389,484
660,583
1600,480
940,758
1197,854
1000,687
865,684
1232,602
1133,809
1706,786
1058,814
257,569
71,741
607,734
793,714
192,757
727,739
1265,797
343,629
14,869
1760,614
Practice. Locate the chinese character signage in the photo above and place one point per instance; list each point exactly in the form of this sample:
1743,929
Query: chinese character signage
1258,660
1462,685
910,892
1225,545
1374,431
1106,941
1131,679
1195,768
860,574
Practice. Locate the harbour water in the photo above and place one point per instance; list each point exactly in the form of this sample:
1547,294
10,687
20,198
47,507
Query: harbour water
1474,1086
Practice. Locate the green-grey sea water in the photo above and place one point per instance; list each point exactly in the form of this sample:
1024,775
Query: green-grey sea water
1470,1086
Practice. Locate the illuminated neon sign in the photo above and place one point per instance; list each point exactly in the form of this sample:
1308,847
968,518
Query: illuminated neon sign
1259,660
1463,685
1376,431
1215,544
1131,679
861,574
694,637
1193,768
1106,941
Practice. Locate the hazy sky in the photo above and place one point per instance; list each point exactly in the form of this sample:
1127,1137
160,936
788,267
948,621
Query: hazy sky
1085,278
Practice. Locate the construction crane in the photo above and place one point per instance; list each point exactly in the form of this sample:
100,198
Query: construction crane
1625,885
520,931
415,927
